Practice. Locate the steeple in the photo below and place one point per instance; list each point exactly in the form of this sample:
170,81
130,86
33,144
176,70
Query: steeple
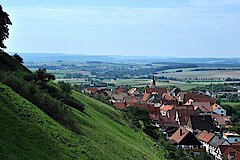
153,82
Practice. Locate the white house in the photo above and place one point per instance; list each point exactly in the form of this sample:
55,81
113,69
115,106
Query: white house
231,137
219,110
214,144
205,137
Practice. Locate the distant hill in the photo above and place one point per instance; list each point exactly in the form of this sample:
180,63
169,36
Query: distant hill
55,130
53,57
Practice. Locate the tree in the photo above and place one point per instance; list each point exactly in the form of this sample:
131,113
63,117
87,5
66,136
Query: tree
42,75
65,87
18,58
4,22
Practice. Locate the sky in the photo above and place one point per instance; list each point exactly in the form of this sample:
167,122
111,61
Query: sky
163,28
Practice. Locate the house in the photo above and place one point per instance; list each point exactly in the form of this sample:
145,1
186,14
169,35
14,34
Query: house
154,91
164,109
101,93
184,139
183,113
118,97
145,97
132,90
230,152
155,100
198,98
168,123
214,144
180,96
202,107
153,109
231,137
119,105
90,90
205,137
131,100
172,92
219,110
120,90
222,122
201,122
168,99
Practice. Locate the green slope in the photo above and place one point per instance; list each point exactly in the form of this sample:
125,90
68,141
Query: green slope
28,133
10,64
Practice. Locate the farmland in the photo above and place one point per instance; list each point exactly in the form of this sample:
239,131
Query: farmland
167,74
208,74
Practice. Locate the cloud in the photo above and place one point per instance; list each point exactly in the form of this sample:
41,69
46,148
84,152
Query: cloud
161,19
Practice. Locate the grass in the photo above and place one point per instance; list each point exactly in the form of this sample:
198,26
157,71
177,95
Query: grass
28,133
232,104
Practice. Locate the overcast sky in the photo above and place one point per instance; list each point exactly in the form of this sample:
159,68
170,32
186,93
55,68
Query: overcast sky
166,28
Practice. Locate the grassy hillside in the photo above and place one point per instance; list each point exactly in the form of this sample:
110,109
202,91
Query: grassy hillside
28,133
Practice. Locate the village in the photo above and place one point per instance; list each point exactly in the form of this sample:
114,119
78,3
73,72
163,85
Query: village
192,121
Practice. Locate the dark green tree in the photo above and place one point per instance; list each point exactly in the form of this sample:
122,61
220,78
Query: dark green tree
18,58
65,87
43,76
4,22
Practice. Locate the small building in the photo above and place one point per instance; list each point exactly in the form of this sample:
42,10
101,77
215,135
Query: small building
205,137
231,137
201,122
219,110
164,109
214,144
184,139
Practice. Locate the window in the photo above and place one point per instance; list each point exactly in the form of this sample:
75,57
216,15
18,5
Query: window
236,140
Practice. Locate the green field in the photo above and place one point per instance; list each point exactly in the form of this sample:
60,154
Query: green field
28,133
232,104
131,82
78,81
222,74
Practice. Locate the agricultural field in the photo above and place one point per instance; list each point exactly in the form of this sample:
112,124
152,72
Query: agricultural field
130,82
215,74
97,73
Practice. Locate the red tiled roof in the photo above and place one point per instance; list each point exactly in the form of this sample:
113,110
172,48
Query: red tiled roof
227,149
206,136
166,96
153,109
222,120
120,90
237,157
145,97
130,99
119,105
184,113
166,107
198,98
159,91
93,89
178,136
